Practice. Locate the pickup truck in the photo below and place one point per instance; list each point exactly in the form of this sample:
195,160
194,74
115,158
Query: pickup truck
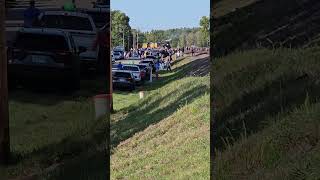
82,29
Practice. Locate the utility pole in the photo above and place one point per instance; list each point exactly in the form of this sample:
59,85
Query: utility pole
123,37
128,42
137,40
4,109
133,40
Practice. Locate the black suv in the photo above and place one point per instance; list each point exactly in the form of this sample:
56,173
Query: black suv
44,54
123,79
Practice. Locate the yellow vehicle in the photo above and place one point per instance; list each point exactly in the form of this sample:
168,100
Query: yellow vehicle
150,45
145,45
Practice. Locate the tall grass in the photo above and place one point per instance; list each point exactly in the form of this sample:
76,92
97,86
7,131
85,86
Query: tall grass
267,114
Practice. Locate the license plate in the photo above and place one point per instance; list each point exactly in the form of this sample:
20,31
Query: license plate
122,80
38,60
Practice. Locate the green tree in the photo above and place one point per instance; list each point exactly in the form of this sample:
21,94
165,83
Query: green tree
120,29
190,39
205,28
182,40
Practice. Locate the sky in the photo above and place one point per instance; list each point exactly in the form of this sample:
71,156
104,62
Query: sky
146,15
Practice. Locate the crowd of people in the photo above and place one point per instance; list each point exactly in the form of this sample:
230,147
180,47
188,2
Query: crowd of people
164,56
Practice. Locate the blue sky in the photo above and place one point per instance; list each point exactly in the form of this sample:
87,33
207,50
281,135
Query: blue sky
163,14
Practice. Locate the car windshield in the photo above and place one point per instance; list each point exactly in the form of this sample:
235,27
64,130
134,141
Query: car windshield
116,53
65,22
130,68
122,74
39,42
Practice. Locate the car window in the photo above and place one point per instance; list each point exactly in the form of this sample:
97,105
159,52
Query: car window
75,48
122,74
49,22
66,22
142,66
99,18
130,68
39,42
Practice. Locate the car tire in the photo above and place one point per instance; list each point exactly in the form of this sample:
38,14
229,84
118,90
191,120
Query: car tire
133,87
72,81
12,84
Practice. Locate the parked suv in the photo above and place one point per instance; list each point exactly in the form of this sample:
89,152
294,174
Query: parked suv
123,79
45,55
137,73
82,29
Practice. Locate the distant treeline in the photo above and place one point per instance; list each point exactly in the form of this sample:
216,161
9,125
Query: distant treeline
122,33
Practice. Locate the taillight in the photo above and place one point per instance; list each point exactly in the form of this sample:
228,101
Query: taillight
63,57
17,54
62,53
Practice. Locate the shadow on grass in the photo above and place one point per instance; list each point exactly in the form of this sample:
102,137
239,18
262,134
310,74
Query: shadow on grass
255,108
178,73
92,166
51,94
67,149
139,120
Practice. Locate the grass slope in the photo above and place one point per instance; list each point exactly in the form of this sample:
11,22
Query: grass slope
166,135
48,127
178,146
165,106
267,114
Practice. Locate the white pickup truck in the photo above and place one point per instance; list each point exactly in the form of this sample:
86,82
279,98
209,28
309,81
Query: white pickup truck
81,27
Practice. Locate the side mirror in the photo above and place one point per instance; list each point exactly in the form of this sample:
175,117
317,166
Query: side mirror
82,49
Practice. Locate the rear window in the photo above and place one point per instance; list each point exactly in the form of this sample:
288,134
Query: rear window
122,74
39,42
130,68
99,19
142,66
65,22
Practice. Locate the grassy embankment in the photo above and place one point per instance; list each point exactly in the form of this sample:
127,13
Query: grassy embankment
164,135
47,127
268,123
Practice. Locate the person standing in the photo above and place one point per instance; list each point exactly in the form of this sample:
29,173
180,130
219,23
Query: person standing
31,14
120,66
168,65
182,51
70,6
157,69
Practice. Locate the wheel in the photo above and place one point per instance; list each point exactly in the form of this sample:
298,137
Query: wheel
72,80
133,87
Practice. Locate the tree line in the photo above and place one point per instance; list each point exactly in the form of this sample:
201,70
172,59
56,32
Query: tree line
123,34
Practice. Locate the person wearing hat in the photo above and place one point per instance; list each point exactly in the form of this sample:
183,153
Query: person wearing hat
30,14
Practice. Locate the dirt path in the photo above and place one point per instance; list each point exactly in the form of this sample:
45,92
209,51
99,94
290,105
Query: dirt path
200,65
